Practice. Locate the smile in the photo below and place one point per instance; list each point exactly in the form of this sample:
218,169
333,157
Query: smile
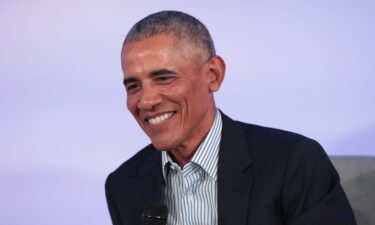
159,119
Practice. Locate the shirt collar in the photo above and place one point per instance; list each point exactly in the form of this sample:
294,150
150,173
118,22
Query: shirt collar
207,154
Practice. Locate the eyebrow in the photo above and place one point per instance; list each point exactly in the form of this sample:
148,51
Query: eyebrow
154,73
162,71
129,80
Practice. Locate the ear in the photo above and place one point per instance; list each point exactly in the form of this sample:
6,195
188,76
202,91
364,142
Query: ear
216,72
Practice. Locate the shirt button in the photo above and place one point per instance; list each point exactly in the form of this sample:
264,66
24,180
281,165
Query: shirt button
189,195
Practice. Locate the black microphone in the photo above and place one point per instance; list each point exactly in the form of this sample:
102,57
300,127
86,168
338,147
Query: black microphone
154,214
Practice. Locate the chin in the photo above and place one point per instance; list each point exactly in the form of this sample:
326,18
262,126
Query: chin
163,142
162,146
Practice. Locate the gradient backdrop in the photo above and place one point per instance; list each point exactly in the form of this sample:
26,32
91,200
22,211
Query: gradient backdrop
304,66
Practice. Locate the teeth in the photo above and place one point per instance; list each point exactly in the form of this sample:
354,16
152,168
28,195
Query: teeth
160,118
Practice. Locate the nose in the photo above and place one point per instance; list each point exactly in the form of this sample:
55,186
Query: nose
150,97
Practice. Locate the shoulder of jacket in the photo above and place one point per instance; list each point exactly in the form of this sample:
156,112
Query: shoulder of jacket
131,167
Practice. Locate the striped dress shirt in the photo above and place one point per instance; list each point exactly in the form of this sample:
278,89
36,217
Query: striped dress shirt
190,193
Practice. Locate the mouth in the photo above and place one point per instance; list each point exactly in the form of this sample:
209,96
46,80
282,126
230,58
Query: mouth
160,118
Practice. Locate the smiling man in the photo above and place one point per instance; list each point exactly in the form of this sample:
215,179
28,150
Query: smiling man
205,167
170,89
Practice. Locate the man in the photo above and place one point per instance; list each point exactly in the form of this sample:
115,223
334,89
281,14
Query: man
207,168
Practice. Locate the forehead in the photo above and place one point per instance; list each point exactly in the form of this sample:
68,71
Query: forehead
151,45
162,48
160,52
154,50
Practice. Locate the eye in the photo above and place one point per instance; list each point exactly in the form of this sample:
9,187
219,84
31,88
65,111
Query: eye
164,79
132,87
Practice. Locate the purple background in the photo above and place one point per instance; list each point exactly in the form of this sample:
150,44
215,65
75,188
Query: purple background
304,66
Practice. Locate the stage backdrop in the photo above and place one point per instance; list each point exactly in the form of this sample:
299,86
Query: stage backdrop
304,66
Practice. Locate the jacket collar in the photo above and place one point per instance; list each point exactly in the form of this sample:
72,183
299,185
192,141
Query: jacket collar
148,187
234,174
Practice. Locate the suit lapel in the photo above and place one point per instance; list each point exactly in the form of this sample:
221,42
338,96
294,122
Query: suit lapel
234,175
149,185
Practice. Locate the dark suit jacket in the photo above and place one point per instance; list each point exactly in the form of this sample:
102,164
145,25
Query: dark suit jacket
265,177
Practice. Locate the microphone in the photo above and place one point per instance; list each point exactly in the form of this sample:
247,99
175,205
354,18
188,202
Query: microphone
154,214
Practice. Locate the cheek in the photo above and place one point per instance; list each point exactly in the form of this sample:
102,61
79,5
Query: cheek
131,104
183,88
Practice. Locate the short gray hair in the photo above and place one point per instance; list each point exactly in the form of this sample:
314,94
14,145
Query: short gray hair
181,25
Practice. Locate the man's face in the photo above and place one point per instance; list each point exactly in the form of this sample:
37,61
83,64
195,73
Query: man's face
168,91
